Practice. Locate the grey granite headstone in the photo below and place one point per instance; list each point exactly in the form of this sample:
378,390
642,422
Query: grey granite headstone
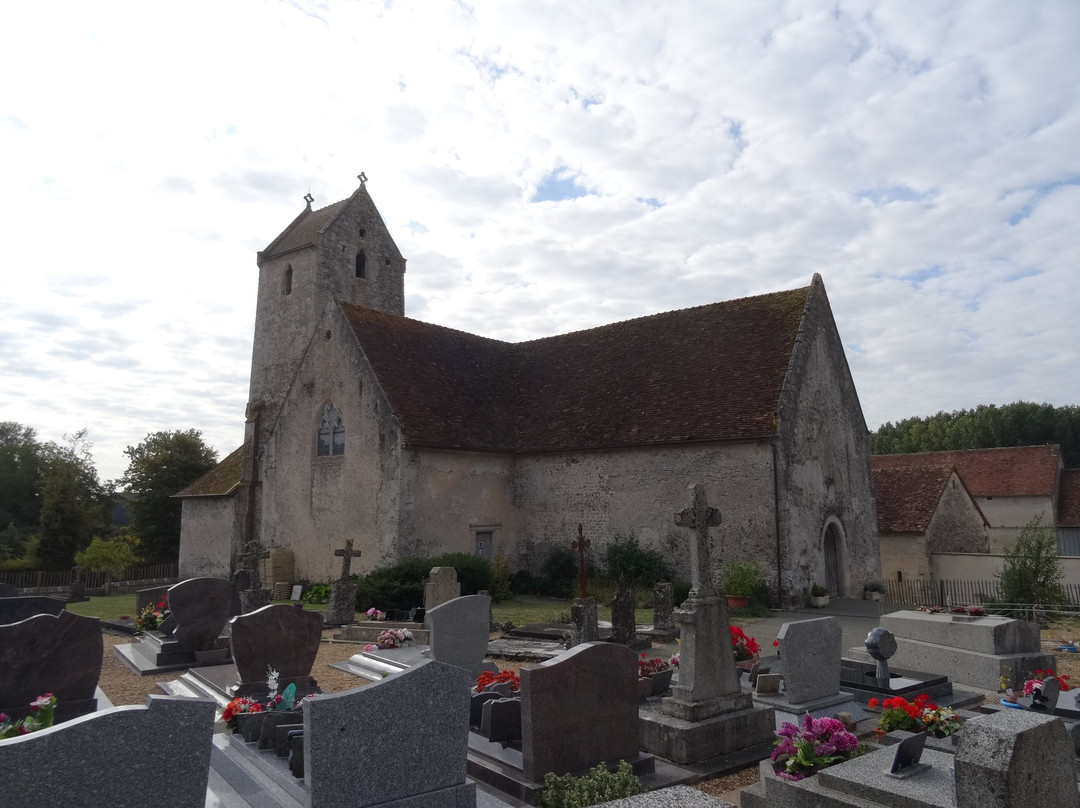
1014,759
442,585
102,760
460,631
664,606
422,712
579,709
281,637
59,654
584,621
623,616
812,659
501,720
767,683
1050,691
201,608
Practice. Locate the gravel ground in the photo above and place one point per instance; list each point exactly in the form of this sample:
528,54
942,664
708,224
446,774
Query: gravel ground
124,687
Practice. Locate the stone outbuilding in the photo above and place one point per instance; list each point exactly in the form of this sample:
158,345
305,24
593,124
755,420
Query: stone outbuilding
412,439
922,511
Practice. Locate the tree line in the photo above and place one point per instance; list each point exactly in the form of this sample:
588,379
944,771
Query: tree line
55,511
987,426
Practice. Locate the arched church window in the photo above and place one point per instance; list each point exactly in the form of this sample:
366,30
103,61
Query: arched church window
361,264
331,438
286,282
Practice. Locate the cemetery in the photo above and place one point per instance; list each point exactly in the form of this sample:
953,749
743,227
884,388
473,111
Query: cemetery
904,713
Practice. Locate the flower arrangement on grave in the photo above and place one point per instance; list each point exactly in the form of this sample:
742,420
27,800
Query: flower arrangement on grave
674,660
930,609
235,708
802,751
375,614
1031,685
647,667
394,637
917,715
152,615
959,610
489,678
744,646
42,712
278,701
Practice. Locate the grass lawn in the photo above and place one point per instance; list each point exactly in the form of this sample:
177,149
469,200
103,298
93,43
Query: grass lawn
525,609
110,607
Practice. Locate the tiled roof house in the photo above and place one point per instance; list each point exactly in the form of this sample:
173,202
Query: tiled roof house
923,510
413,438
1011,485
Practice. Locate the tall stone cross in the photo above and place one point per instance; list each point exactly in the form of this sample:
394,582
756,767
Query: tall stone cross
581,544
347,555
700,517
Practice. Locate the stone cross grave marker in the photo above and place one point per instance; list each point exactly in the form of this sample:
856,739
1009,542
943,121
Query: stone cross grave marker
581,544
700,517
347,554
342,607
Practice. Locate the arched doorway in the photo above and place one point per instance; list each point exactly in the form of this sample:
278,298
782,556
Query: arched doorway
833,546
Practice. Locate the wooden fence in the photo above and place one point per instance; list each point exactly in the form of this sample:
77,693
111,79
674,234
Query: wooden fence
955,593
41,580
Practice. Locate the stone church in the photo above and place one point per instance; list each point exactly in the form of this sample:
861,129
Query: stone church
411,438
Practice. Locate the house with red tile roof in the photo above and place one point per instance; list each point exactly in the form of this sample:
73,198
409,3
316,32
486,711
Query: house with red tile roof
410,438
922,511
1011,485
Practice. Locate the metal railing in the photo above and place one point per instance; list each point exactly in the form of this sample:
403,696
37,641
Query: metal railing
956,592
40,581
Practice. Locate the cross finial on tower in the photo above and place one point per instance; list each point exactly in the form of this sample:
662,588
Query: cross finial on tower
309,199
362,177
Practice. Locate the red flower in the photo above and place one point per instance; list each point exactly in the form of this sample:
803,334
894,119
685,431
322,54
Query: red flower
873,703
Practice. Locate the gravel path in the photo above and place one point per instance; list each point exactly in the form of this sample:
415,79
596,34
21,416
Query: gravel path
124,687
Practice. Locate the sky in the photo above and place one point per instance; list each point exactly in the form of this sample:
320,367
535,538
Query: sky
544,167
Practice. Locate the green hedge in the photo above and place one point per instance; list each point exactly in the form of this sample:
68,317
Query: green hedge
401,585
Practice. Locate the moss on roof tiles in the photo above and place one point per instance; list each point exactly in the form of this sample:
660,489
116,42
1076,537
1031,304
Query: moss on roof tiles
220,481
707,373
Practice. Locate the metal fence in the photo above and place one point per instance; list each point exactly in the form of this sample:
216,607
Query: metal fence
40,580
955,592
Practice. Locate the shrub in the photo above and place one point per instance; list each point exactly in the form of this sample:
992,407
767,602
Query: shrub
523,582
1031,572
558,574
641,567
316,593
599,785
500,580
401,584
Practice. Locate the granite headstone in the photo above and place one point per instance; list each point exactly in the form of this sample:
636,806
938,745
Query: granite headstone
579,709
421,713
812,659
281,637
460,631
201,608
114,758
442,585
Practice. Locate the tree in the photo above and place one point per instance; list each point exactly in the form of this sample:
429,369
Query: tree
1032,571
20,478
115,554
161,466
74,503
1022,423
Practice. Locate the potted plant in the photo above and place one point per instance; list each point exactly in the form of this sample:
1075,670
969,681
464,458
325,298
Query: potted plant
739,580
819,596
873,590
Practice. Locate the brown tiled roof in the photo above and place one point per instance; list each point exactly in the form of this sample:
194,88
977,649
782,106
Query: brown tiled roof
220,481
1069,499
707,373
908,497
303,229
1023,471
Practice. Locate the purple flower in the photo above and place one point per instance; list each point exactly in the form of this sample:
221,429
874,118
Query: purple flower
794,777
